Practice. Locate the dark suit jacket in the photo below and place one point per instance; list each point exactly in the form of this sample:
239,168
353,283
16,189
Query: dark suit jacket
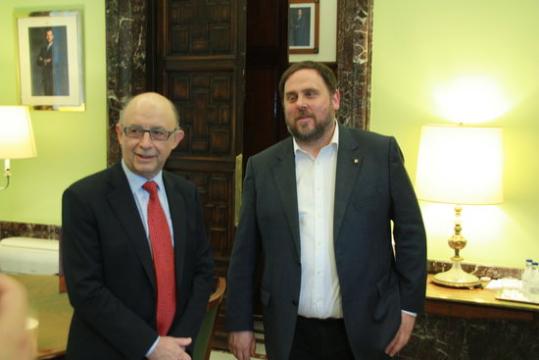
109,270
372,190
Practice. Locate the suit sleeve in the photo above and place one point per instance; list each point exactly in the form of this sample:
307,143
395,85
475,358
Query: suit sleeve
202,279
93,302
243,260
408,233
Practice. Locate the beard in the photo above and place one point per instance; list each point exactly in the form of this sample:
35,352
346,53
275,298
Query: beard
310,135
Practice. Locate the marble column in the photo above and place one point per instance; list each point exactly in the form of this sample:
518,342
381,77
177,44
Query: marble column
354,41
126,24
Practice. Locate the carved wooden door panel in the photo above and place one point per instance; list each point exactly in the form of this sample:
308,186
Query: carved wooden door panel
199,65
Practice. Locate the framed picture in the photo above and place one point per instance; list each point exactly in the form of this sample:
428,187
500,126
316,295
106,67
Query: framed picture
50,59
303,26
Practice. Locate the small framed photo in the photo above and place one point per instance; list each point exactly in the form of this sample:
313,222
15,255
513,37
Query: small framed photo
303,26
50,59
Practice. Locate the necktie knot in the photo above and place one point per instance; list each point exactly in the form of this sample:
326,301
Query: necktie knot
151,187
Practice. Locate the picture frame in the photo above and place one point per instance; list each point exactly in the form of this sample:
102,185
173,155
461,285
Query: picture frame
50,60
303,26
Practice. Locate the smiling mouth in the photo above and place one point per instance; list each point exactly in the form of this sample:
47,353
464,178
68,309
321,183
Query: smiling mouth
145,157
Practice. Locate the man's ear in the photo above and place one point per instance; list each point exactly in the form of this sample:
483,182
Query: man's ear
178,137
336,99
119,131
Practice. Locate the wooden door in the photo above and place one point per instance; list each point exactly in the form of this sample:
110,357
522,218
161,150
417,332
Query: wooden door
199,65
219,61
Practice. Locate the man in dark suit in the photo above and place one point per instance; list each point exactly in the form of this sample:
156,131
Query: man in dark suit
321,207
125,305
44,60
298,34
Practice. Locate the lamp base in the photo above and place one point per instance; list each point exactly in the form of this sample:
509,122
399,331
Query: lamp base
456,277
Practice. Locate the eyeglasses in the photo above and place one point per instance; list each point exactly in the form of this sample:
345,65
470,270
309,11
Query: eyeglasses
137,132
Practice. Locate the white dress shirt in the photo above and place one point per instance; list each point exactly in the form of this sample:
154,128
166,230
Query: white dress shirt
142,197
320,294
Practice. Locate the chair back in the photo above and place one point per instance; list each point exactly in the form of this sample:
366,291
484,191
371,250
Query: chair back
204,338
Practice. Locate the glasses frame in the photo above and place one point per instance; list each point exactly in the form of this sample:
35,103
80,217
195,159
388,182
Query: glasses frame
149,131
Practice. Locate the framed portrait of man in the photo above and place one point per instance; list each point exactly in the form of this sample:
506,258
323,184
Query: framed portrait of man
303,26
50,59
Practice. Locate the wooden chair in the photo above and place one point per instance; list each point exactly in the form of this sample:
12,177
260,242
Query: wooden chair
202,348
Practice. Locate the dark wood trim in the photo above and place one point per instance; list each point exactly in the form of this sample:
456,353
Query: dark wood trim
466,311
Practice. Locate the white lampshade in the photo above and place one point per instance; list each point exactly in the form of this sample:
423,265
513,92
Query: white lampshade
16,135
460,165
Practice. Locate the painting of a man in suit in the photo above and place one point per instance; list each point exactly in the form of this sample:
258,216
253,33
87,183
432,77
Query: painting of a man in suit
50,69
299,26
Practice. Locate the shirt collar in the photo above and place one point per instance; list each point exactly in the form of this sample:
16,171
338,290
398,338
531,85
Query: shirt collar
136,181
334,139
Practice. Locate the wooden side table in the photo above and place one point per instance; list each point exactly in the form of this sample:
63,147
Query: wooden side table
475,303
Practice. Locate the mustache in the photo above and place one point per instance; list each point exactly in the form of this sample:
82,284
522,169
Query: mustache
303,114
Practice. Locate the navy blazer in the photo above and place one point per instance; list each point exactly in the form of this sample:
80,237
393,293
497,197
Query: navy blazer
109,270
372,192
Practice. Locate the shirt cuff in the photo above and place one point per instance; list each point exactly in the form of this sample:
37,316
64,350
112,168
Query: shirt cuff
152,348
410,313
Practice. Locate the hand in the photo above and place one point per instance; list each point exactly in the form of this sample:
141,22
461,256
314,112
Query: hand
402,336
172,348
242,344
15,340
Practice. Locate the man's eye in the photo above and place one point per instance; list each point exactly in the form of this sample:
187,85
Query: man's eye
158,132
134,130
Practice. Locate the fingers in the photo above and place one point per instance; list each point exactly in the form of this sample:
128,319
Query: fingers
253,346
241,344
402,336
15,340
183,342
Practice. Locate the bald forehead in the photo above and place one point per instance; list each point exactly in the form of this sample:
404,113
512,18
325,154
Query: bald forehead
149,106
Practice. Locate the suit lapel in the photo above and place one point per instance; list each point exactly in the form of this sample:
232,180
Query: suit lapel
121,201
285,177
349,161
177,206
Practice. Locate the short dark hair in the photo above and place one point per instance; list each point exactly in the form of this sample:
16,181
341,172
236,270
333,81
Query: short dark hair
323,70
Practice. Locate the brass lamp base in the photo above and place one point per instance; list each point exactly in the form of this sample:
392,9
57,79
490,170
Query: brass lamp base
456,277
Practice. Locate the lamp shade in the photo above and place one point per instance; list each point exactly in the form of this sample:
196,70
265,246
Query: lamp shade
460,165
16,135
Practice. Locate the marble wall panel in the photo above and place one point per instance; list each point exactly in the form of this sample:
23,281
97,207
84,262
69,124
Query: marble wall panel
354,54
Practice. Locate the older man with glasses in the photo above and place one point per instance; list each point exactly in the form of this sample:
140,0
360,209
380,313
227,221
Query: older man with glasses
137,262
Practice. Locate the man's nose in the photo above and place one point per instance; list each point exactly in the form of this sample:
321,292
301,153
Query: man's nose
146,140
301,103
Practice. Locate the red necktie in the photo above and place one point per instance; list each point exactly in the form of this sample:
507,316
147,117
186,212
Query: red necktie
163,260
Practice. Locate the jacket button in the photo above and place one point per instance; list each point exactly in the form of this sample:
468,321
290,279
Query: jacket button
295,302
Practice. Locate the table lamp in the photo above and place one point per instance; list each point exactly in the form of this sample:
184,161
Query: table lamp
16,137
459,165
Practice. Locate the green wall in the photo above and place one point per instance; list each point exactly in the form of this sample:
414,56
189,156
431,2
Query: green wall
69,145
419,45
